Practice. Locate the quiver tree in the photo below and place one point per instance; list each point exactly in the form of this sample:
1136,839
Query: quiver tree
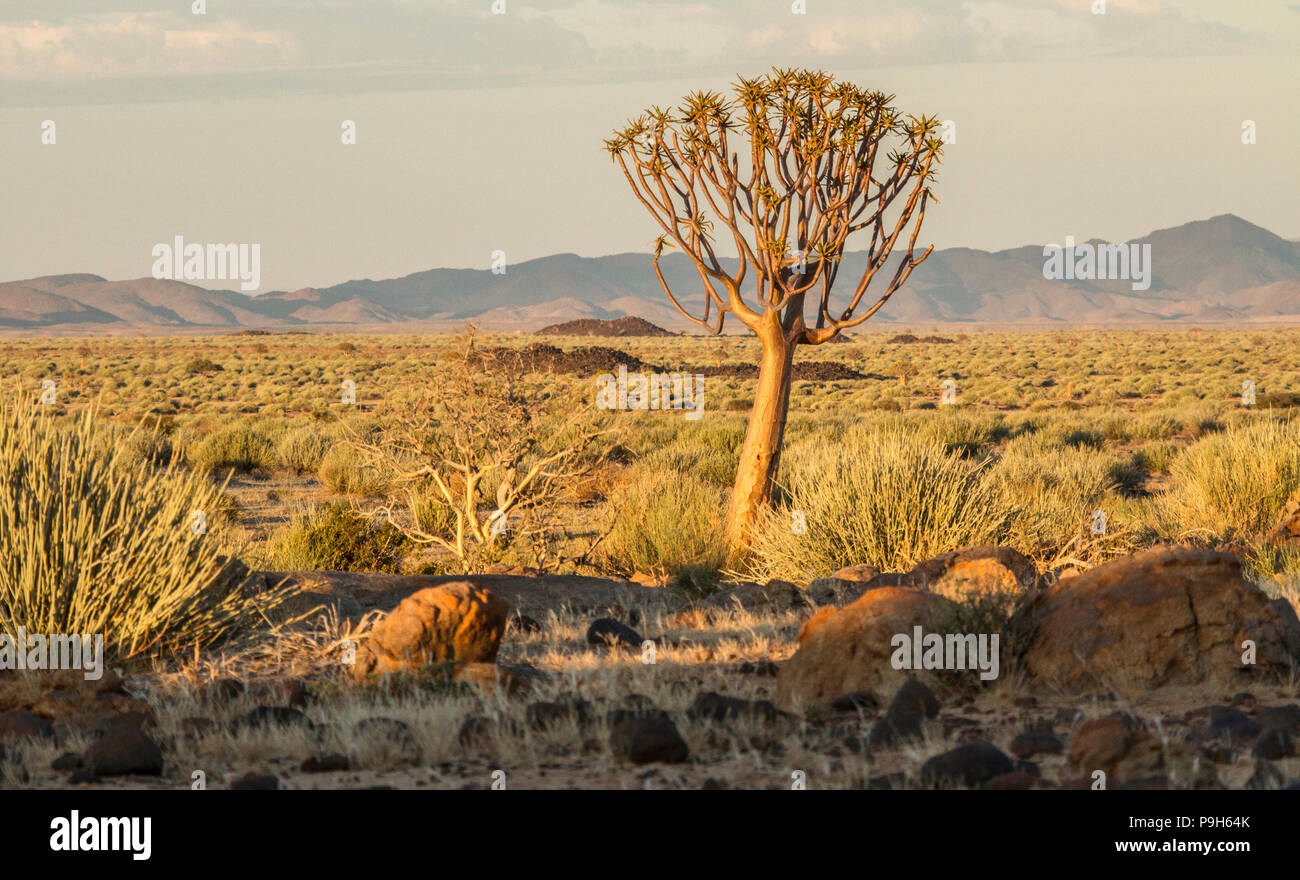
788,170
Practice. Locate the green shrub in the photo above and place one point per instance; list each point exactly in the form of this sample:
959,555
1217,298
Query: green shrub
345,472
888,499
95,544
1232,484
237,446
202,365
334,537
302,449
1050,490
665,522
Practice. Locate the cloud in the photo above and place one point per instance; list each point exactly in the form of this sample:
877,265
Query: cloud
136,43
80,50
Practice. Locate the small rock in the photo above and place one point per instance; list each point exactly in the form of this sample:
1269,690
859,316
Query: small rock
970,765
254,782
525,624
545,714
855,702
282,716
222,690
914,696
710,706
895,727
648,740
1026,745
18,725
123,750
67,761
887,782
1233,725
608,632
330,763
1016,780
1274,744
395,732
476,732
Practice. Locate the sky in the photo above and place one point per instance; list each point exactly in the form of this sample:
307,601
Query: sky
478,132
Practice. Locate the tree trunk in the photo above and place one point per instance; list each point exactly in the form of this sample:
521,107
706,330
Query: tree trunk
760,456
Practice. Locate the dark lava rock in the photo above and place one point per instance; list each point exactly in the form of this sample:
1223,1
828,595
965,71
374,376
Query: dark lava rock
648,740
1026,745
123,750
331,763
896,727
393,731
1016,780
222,690
283,716
1154,782
762,667
710,706
970,765
253,782
544,714
615,717
17,725
609,632
1274,744
1287,716
1232,724
914,696
887,782
67,761
476,732
853,702
524,623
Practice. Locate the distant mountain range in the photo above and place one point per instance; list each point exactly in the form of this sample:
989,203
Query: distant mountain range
1221,270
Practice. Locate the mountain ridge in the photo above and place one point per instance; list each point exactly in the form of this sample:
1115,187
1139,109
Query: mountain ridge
1222,269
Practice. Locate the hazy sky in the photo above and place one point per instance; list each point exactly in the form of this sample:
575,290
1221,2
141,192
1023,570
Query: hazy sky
478,132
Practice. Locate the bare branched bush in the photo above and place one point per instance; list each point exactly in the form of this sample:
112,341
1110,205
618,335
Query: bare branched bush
482,455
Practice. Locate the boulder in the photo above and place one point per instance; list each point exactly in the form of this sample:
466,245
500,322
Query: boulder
848,649
1161,617
456,621
976,572
962,574
1132,757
